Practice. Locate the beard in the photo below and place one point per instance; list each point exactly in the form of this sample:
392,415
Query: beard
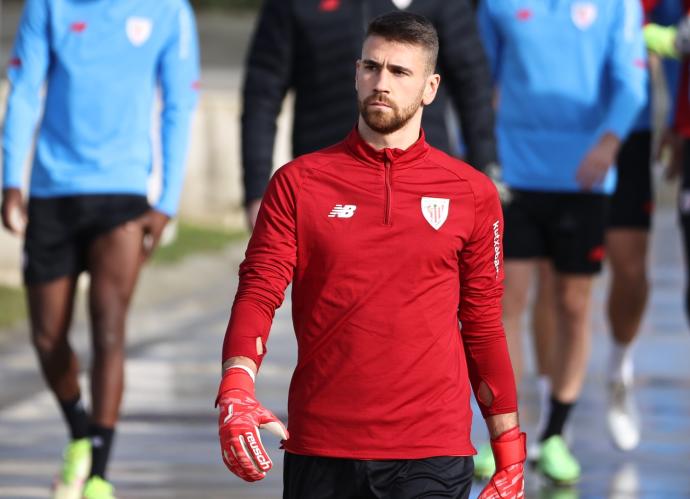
387,121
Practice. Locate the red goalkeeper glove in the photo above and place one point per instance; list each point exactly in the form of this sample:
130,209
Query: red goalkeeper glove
239,421
510,452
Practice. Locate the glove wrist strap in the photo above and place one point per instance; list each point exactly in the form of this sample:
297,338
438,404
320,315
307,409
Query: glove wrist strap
236,378
509,448
245,369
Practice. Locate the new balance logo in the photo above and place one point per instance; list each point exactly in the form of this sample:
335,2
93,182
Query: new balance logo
342,211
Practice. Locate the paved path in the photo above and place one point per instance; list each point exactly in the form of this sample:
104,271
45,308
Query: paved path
167,446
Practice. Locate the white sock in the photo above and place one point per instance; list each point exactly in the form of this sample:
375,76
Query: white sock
620,363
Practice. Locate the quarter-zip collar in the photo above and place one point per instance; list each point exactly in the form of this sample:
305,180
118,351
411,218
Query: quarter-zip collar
398,158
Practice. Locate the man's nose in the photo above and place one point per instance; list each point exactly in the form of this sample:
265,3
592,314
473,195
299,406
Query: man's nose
382,83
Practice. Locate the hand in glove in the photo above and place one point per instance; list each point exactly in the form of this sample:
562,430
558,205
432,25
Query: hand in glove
508,482
239,420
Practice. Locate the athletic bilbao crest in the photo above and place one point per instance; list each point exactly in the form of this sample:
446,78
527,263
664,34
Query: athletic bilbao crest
583,14
435,211
402,4
138,30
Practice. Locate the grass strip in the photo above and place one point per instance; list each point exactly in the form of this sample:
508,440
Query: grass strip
12,306
193,239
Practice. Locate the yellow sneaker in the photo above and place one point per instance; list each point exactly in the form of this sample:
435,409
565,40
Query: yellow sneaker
97,488
76,465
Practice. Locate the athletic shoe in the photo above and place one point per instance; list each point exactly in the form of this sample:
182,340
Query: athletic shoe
534,446
557,463
76,466
97,488
622,416
484,464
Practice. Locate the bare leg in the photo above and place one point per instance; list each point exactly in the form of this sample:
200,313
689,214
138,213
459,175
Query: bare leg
50,311
627,249
114,260
544,331
573,299
518,276
544,318
628,293
571,352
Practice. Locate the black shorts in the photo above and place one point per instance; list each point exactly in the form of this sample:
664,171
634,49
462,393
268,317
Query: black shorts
313,477
60,230
632,203
566,228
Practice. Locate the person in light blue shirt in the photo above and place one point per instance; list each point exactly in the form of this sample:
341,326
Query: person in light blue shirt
627,241
571,80
86,75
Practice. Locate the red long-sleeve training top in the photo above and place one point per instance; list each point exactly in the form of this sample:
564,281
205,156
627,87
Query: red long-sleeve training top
386,251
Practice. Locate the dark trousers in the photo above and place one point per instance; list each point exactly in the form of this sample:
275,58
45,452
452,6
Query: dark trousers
313,477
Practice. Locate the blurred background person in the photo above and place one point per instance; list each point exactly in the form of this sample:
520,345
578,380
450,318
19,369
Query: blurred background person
101,64
570,80
674,42
627,249
310,46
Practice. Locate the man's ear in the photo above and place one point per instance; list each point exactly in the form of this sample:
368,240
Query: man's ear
357,64
431,89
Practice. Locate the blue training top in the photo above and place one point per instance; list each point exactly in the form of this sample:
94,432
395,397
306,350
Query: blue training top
102,62
567,71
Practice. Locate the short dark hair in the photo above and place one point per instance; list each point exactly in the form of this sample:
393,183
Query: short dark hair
408,28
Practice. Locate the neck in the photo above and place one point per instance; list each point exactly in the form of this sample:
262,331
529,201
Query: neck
400,139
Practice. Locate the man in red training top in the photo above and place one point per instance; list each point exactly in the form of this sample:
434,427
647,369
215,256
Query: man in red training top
388,243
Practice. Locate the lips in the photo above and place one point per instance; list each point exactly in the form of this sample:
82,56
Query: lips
375,102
